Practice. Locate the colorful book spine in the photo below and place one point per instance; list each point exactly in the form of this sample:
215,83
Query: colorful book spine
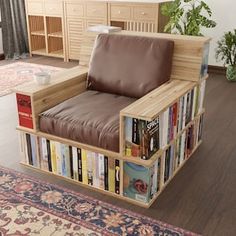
75,163
101,171
80,175
117,176
106,173
111,175
84,166
49,156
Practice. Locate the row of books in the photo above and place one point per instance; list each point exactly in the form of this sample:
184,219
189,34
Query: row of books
142,183
143,138
81,165
182,148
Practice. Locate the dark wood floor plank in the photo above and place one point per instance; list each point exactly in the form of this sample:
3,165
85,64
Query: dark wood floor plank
202,196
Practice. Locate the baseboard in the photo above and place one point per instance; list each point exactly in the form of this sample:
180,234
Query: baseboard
216,69
2,57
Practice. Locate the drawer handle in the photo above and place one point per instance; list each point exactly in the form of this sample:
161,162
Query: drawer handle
143,13
119,12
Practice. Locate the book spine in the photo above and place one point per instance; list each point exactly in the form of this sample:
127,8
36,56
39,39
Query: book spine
58,158
106,173
29,149
111,175
63,160
75,163
71,163
44,154
49,156
84,166
53,156
68,160
101,171
90,167
80,174
117,176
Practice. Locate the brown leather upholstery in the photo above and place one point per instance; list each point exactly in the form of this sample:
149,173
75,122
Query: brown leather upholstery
91,118
129,65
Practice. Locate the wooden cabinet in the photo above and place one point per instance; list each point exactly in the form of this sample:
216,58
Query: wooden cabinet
45,21
79,16
56,27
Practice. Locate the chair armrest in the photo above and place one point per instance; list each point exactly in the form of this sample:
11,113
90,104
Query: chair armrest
64,85
152,104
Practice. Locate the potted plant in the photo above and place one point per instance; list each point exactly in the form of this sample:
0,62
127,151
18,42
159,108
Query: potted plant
187,17
226,52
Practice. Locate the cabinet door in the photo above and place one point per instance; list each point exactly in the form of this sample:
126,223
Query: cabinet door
75,29
35,7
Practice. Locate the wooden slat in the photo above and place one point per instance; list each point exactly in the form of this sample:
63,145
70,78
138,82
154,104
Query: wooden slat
150,106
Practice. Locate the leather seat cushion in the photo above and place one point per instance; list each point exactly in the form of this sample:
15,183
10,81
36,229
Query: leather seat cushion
129,65
91,118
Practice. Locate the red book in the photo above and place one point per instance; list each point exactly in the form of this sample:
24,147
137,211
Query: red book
24,110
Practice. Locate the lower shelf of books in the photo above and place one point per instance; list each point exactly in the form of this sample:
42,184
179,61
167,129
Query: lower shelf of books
125,180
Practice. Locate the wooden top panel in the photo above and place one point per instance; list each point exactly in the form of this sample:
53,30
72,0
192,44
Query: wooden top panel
57,78
152,104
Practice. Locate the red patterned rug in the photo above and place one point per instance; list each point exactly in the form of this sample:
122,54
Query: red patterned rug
18,73
32,207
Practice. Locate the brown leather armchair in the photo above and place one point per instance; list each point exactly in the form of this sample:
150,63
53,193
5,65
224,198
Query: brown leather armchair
122,69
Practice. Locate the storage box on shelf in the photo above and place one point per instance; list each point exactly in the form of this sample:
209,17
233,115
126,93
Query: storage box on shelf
158,132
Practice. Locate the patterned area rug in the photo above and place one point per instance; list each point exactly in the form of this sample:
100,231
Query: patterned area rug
18,73
32,207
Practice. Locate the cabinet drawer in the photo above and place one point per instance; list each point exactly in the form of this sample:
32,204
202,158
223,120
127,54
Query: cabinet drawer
35,7
96,10
120,12
145,13
53,8
75,9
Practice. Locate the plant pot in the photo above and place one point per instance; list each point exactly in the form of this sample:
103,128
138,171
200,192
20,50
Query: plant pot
231,73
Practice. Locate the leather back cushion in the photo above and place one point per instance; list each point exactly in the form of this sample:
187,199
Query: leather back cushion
129,65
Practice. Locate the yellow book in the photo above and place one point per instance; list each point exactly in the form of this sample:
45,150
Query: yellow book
84,167
53,156
111,175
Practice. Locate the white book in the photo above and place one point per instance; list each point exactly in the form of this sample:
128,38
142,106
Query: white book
161,129
75,162
166,126
103,29
43,153
95,170
90,167
194,102
22,147
58,158
180,113
202,94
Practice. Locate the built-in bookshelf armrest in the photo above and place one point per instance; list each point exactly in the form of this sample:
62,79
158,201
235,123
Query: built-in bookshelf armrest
151,105
63,85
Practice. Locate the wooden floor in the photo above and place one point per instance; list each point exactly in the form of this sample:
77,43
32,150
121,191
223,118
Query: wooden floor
202,197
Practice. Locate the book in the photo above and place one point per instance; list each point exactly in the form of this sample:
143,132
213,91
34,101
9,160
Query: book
63,160
84,166
43,153
58,158
104,29
24,110
101,171
75,163
149,138
53,156
106,173
49,156
117,176
137,182
29,149
90,167
111,175
80,175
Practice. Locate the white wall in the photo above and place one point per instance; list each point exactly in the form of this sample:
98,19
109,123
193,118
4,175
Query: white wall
224,13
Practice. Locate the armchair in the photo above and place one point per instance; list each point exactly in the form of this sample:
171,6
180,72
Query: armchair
101,114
